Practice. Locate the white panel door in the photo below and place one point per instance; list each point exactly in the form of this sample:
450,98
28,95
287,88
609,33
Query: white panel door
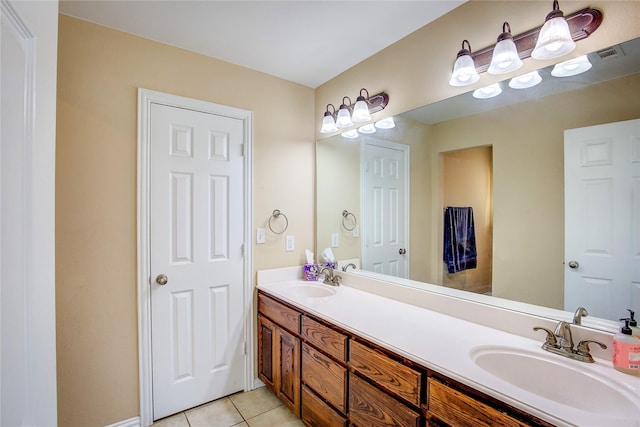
385,181
197,219
28,48
602,219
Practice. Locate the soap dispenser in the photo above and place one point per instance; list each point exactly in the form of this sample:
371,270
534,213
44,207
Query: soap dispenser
633,324
626,351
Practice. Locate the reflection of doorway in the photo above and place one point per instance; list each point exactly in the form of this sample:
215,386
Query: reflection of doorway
385,207
467,181
602,196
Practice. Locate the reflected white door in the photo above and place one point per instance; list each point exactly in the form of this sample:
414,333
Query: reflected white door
197,218
385,203
602,219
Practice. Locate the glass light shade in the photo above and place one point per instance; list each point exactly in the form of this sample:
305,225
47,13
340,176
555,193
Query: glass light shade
572,67
387,123
505,57
344,117
368,128
328,124
464,72
554,39
487,91
525,80
350,134
360,111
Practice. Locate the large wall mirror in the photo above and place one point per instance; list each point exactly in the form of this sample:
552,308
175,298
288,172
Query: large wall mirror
505,157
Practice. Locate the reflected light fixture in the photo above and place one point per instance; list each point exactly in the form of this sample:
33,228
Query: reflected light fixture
505,55
344,115
525,81
387,123
328,123
367,129
350,134
361,109
572,67
554,39
464,70
349,113
487,91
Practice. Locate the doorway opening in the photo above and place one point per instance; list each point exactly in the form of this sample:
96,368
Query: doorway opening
467,180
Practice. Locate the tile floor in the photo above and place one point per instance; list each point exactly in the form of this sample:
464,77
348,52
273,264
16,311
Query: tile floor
256,408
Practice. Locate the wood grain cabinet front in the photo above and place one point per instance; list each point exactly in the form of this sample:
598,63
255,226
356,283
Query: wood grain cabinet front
447,406
392,375
371,407
327,378
325,338
316,413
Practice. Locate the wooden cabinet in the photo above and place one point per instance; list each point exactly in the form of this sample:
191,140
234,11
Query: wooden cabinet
371,407
455,408
331,378
279,351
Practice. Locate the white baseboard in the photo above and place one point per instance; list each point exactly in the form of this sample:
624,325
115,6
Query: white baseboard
131,422
257,383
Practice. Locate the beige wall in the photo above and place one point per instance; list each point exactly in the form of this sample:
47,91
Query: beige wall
99,72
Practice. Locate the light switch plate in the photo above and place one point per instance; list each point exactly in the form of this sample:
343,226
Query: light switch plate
260,236
290,243
335,241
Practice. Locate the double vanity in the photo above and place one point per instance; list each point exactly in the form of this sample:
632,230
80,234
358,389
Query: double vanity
354,354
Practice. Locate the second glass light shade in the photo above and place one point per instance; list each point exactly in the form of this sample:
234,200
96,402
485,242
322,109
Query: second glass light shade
505,54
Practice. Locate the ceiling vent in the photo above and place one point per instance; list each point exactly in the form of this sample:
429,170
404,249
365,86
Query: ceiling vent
610,52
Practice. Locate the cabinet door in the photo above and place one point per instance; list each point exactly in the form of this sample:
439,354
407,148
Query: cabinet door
287,378
266,359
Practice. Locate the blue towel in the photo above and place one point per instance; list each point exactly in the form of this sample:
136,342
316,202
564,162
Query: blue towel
459,252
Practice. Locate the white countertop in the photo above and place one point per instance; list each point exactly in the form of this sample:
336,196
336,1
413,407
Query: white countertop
443,343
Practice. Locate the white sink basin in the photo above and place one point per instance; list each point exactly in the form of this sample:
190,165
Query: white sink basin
568,382
311,291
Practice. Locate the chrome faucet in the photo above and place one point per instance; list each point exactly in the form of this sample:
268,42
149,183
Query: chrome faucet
560,342
329,277
345,267
579,314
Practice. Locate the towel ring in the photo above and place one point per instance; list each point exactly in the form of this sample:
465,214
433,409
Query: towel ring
345,215
275,215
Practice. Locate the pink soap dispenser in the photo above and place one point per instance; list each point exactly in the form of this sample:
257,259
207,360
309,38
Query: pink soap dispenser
626,351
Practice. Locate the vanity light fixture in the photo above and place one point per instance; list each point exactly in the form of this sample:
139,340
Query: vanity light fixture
505,57
554,39
361,109
344,115
349,113
572,67
367,129
464,70
487,91
328,122
387,123
525,81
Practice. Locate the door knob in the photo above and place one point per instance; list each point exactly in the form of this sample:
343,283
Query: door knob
402,251
162,279
573,264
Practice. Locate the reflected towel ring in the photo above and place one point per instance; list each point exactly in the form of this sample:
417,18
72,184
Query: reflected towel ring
277,214
345,215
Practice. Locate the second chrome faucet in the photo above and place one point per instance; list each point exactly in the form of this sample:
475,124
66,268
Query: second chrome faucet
560,341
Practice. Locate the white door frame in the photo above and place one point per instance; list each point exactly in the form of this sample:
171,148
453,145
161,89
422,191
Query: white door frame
405,149
145,99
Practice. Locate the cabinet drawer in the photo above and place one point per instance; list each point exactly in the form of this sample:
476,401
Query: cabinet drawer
316,413
458,409
279,313
325,338
393,376
371,407
325,377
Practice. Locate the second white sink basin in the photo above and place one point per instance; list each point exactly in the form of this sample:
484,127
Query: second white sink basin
311,290
568,382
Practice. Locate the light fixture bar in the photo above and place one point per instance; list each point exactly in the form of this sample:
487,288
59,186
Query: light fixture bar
581,24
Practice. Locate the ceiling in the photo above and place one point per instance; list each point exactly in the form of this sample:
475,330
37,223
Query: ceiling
303,41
